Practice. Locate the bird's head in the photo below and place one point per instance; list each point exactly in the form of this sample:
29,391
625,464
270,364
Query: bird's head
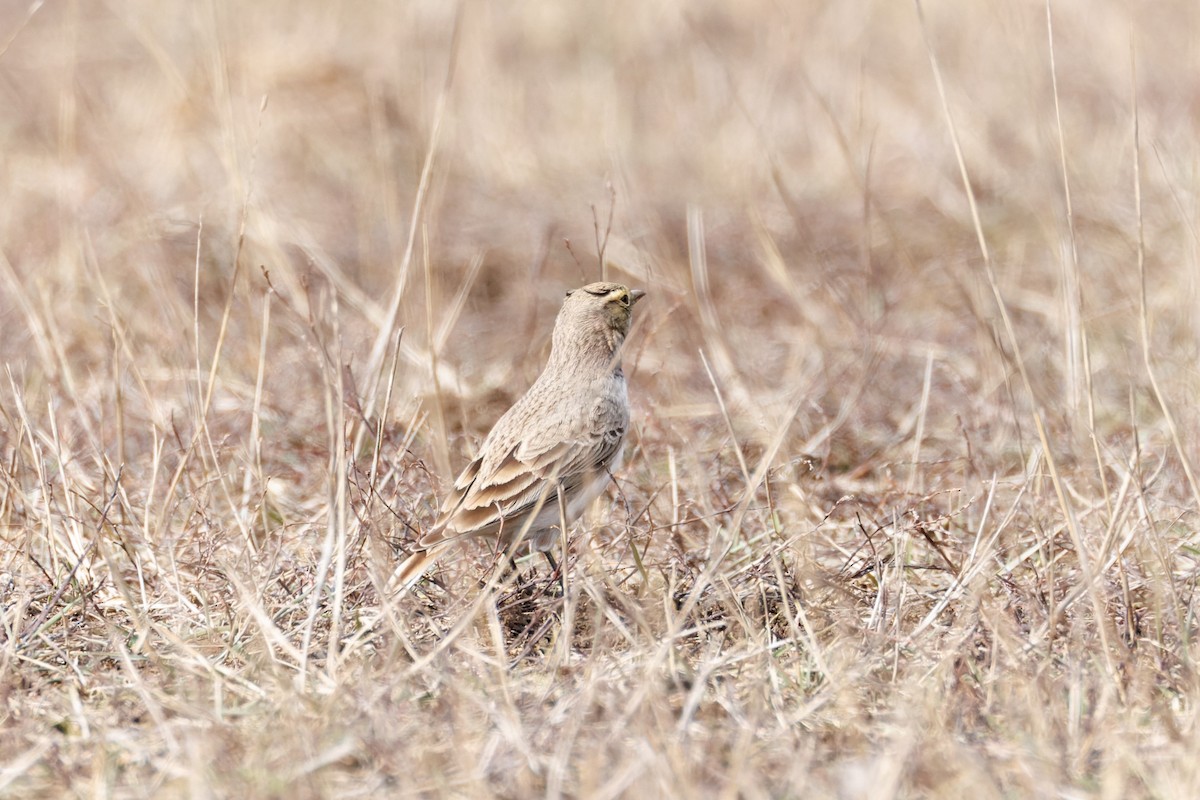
601,310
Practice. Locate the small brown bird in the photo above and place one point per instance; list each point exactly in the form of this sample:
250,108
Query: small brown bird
550,454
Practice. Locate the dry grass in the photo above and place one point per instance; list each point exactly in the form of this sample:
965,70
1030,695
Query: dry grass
912,505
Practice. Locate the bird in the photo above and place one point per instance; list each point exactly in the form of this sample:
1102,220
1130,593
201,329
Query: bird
551,454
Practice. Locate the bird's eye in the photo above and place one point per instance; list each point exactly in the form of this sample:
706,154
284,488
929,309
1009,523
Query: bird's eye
623,299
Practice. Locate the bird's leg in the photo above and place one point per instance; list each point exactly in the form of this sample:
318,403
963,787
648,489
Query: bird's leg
510,568
510,557
556,578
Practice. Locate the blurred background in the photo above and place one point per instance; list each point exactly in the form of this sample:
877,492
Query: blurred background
238,239
144,151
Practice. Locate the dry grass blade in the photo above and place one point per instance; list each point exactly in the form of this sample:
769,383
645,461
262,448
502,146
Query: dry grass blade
909,505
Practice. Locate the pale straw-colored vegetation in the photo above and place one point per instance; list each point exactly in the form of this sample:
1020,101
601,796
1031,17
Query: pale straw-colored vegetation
910,506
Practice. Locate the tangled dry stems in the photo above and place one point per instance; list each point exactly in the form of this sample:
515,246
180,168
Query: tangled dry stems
904,515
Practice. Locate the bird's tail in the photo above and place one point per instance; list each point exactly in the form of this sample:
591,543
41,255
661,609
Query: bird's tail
413,567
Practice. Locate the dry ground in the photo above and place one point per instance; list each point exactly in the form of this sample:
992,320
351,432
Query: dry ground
911,505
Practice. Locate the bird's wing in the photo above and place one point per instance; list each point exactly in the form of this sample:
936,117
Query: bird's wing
507,491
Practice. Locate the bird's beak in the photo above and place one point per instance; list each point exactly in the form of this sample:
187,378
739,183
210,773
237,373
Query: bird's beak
636,294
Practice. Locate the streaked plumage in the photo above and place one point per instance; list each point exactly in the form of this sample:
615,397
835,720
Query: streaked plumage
567,431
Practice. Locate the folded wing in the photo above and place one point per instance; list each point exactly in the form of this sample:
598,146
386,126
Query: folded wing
490,497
